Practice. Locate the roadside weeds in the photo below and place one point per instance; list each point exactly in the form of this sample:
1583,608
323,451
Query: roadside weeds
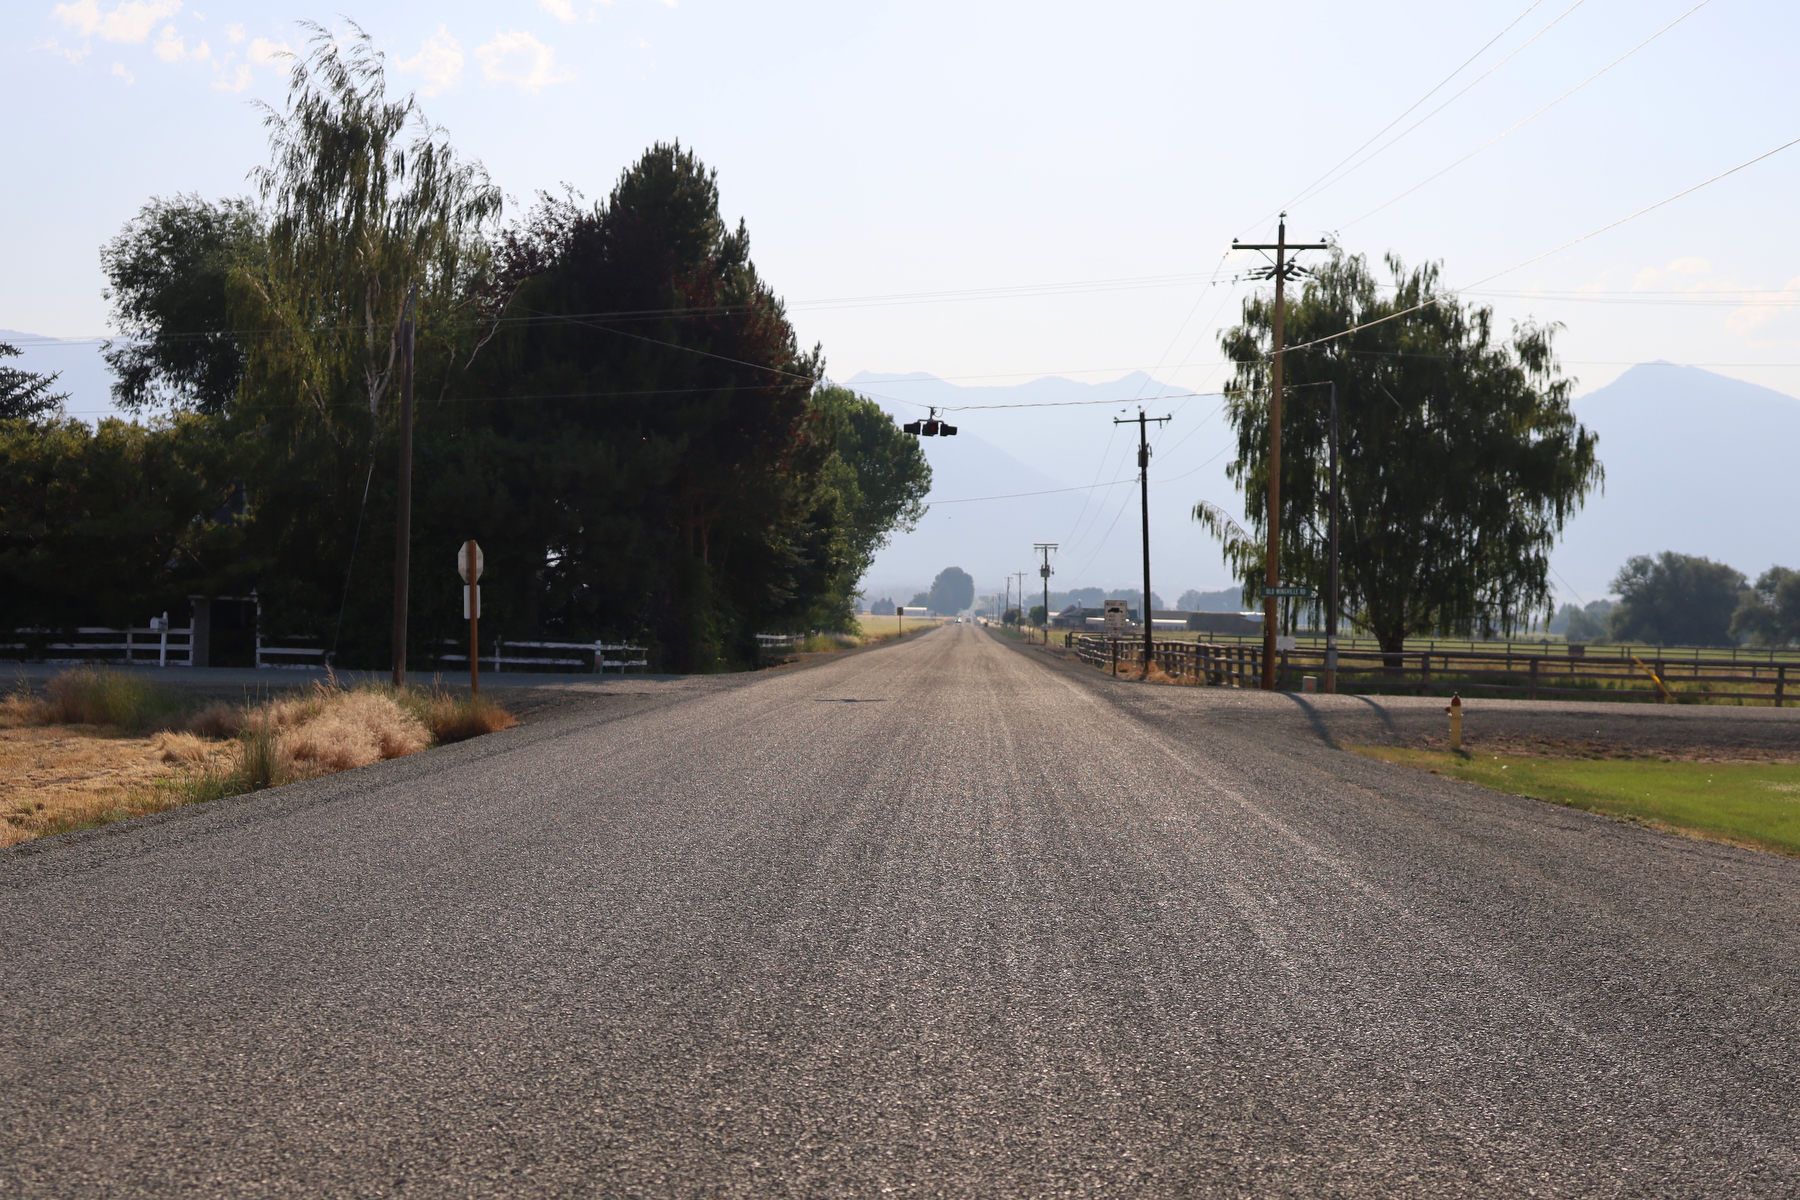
102,746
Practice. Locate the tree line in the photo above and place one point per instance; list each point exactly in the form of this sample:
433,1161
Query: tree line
609,397
1673,599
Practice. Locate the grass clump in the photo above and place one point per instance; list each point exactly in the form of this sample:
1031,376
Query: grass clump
451,717
95,696
1744,804
221,750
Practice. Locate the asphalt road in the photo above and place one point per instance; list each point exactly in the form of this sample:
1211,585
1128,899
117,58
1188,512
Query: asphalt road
942,918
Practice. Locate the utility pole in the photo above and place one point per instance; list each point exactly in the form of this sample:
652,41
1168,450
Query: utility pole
1020,576
1143,424
1045,548
1272,566
403,509
1331,582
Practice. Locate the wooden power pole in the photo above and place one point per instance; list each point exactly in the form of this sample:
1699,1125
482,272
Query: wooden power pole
1143,424
1045,548
1272,565
403,509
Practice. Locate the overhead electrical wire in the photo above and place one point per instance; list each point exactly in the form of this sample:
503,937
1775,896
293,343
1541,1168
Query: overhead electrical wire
1021,495
1331,177
1125,283
1572,242
1525,121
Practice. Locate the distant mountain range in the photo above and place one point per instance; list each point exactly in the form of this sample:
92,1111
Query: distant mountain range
1695,462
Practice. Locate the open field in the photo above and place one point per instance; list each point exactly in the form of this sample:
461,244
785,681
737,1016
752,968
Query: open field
100,746
1743,804
1503,669
1540,644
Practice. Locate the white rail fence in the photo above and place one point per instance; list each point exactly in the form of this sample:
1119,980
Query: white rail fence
157,644
552,656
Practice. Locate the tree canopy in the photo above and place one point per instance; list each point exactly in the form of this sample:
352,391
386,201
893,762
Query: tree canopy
609,397
1460,458
1769,615
170,274
1676,600
952,591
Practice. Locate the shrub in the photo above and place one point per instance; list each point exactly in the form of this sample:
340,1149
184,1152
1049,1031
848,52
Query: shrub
96,696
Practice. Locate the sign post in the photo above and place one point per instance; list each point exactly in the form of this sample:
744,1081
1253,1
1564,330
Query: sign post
468,565
899,619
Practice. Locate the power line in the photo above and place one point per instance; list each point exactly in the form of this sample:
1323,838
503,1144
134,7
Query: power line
1122,283
1020,495
1324,181
1649,208
1526,121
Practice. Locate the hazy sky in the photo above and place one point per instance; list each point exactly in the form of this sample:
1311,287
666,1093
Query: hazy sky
997,192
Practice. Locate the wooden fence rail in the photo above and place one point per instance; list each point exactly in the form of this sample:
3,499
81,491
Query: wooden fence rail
1515,670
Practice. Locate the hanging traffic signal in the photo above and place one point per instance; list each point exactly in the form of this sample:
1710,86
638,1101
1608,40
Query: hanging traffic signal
930,427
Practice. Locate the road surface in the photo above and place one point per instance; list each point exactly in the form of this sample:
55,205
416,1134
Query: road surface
938,919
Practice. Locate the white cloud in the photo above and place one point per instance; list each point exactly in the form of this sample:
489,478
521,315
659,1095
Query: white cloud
72,54
521,60
1767,317
119,70
171,48
1680,269
234,33
439,61
265,53
234,83
562,10
129,22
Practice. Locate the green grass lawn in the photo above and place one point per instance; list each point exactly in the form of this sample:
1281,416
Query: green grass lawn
1750,804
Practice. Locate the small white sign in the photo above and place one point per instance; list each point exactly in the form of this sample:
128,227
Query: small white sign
1283,645
1117,615
462,561
472,590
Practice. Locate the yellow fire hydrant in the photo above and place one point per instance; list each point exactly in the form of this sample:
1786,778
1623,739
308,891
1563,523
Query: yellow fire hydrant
1455,711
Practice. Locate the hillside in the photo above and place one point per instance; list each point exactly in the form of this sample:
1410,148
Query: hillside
1695,462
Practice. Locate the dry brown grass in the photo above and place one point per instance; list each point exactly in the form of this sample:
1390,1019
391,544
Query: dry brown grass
328,729
453,718
217,720
58,777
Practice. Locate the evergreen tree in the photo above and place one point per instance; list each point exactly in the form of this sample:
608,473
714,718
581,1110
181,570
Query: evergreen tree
26,395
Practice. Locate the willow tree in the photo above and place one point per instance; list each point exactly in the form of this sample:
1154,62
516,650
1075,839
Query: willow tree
1460,460
366,202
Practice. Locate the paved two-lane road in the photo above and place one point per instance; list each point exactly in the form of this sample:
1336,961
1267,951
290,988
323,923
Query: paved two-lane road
937,919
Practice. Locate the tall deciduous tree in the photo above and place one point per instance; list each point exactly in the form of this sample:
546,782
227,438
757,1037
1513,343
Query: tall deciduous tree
1676,600
1460,458
952,591
169,273
1769,615
366,201
889,473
